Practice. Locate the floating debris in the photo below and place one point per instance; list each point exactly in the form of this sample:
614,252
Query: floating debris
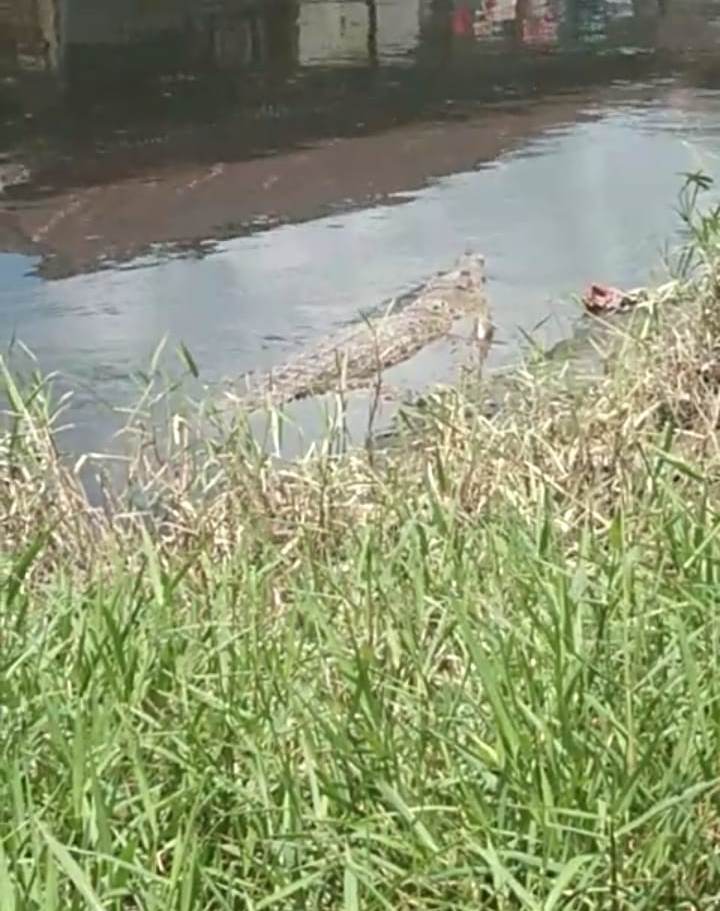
12,173
606,299
602,300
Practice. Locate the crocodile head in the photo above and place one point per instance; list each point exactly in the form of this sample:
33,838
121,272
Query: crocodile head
459,291
469,271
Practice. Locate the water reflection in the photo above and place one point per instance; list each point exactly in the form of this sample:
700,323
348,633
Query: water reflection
530,22
157,128
67,37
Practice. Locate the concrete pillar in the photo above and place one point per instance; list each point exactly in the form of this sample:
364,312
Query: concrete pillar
33,29
50,25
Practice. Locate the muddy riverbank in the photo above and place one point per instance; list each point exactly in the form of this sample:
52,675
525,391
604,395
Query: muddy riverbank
182,209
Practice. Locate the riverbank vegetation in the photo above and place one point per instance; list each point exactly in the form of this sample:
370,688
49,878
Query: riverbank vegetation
476,671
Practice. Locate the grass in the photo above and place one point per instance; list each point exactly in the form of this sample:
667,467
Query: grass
477,671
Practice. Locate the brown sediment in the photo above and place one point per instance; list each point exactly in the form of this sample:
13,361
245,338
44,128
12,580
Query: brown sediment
180,204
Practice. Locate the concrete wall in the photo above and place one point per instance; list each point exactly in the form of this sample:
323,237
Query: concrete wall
332,31
120,21
229,32
128,21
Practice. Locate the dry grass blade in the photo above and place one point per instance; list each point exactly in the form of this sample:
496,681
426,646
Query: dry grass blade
475,670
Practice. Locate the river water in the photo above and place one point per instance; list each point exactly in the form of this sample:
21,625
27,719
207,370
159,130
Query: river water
245,177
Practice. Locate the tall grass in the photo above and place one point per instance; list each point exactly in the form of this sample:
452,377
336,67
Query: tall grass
478,671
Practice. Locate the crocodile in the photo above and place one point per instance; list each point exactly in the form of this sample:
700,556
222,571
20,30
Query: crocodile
354,357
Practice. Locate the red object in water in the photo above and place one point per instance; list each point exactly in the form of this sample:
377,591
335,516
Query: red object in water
603,299
462,21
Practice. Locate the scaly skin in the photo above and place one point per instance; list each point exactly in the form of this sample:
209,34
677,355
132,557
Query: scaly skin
353,357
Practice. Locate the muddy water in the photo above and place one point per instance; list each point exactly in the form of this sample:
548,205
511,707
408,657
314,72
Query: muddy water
247,179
